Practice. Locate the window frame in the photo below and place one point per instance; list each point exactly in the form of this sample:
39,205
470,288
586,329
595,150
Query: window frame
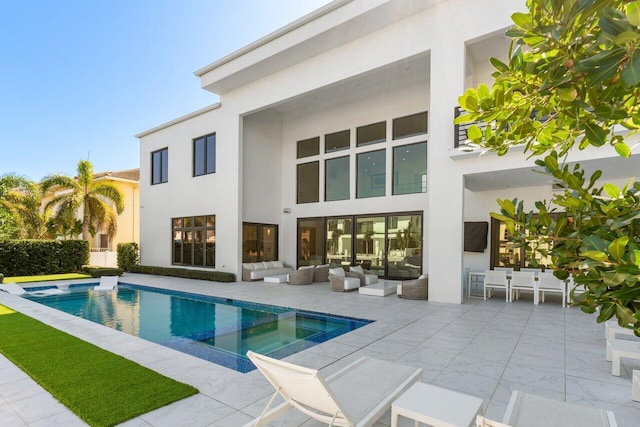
205,156
397,119
326,175
183,228
395,174
298,166
164,177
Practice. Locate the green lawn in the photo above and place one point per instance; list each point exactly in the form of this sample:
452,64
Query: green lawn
102,388
45,277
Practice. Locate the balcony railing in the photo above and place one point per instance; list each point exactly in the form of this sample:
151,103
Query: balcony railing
460,138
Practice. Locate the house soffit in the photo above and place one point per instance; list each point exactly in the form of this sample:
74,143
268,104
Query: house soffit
337,24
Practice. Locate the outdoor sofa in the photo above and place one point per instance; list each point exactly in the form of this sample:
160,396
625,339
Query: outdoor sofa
260,270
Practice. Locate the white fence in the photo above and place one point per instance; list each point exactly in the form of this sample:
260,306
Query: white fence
103,258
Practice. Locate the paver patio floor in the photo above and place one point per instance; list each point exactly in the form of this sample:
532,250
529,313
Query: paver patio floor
482,348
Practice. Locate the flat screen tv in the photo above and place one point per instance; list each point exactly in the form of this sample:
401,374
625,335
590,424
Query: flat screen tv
475,236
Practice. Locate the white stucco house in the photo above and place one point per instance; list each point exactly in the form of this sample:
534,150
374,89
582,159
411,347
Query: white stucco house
333,142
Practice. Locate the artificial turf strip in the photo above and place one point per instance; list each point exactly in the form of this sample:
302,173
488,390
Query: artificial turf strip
102,388
46,277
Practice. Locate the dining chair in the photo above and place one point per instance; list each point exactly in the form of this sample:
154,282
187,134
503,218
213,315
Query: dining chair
547,282
496,280
523,281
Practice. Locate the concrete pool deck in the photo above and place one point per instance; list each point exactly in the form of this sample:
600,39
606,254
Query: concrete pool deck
485,349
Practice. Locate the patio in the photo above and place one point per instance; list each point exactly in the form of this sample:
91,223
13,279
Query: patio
486,349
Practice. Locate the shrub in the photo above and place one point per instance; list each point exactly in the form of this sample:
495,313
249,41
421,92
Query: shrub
102,271
128,255
1,277
33,257
215,276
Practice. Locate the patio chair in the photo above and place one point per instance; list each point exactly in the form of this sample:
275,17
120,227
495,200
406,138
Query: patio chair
357,395
321,273
547,282
107,283
523,281
302,276
496,280
414,289
342,281
367,277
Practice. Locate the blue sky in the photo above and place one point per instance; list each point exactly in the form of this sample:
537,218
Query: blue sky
80,78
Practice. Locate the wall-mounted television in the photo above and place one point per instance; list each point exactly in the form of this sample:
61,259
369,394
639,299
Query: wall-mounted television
475,236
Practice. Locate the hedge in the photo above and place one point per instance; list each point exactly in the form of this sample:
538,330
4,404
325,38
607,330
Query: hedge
128,255
216,276
102,271
34,257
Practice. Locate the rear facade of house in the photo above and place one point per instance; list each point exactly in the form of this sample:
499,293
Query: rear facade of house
333,143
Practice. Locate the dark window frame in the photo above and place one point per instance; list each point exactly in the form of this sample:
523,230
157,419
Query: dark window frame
259,226
161,165
371,176
204,160
183,228
374,141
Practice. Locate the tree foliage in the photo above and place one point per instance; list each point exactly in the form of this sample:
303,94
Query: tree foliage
99,202
20,215
572,82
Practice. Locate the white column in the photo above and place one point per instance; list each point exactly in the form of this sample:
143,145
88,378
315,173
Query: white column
444,235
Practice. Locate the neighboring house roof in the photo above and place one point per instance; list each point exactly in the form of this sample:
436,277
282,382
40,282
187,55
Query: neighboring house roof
129,174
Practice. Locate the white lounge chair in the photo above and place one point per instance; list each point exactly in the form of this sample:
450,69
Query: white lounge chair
357,395
529,410
107,283
14,289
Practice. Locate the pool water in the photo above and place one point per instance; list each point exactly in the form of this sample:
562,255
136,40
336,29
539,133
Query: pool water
215,329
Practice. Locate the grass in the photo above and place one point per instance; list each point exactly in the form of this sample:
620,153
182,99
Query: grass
102,388
46,277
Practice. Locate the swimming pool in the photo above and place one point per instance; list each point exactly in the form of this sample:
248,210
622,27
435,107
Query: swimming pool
215,329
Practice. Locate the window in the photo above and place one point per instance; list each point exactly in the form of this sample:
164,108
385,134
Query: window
388,244
309,147
259,242
194,241
337,141
410,168
371,134
204,155
371,179
415,124
308,182
160,166
337,179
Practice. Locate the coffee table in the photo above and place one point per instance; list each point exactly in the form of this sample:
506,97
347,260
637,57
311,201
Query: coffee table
282,278
436,407
380,289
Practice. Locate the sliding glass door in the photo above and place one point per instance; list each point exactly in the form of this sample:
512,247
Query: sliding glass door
388,244
259,242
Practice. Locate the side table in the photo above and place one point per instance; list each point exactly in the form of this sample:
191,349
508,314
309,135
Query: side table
436,406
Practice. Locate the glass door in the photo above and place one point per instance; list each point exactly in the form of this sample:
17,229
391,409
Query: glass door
404,246
370,243
339,242
310,241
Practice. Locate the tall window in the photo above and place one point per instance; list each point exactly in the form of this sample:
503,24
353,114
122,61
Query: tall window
194,241
204,155
160,166
371,179
259,242
308,182
337,179
310,241
410,168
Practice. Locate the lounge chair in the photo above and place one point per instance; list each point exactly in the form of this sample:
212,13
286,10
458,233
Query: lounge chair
14,289
302,276
528,410
367,277
107,283
357,395
342,281
414,289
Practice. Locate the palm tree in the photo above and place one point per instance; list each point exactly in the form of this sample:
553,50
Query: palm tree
20,200
82,194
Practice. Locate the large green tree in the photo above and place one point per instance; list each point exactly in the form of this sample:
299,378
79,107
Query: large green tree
20,215
82,194
572,82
